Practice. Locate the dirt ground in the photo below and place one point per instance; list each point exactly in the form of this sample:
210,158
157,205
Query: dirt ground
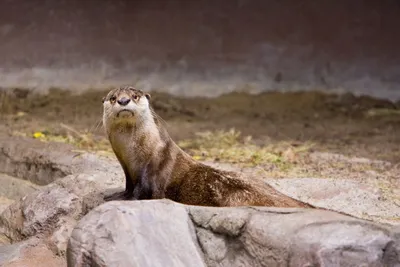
290,132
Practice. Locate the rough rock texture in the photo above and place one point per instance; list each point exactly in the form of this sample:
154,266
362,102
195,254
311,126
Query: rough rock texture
142,234
4,203
12,189
42,163
53,211
39,225
161,233
30,253
364,198
50,213
368,201
39,212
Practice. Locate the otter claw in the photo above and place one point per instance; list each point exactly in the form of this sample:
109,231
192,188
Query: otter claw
124,195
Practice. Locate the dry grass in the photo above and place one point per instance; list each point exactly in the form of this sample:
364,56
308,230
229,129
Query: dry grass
380,112
283,159
274,159
278,158
230,146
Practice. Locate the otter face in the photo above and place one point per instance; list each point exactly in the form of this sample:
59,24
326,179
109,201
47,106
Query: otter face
125,104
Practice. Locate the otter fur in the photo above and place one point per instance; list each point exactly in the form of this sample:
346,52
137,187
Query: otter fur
156,167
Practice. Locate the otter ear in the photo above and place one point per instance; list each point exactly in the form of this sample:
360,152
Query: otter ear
148,96
103,99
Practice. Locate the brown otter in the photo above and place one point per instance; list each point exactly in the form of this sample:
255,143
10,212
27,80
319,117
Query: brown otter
155,167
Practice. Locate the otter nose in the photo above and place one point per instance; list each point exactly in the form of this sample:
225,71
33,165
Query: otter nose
123,101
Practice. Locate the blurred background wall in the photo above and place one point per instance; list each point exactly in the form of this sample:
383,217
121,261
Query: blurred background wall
202,47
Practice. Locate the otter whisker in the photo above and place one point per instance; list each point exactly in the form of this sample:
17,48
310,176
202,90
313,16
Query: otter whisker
158,117
96,126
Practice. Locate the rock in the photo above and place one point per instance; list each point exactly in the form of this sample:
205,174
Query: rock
352,197
32,160
4,203
165,233
42,163
156,233
274,237
9,253
334,157
142,233
38,213
13,189
30,253
343,244
53,211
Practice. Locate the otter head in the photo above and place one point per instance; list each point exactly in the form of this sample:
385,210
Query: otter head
125,106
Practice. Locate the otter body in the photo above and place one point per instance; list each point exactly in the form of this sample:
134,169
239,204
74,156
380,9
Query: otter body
156,167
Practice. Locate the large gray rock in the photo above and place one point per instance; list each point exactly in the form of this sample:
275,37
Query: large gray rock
165,233
135,234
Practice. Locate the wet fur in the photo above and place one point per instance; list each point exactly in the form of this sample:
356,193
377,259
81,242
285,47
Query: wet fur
155,167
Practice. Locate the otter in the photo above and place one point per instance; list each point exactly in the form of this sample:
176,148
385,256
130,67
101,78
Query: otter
155,167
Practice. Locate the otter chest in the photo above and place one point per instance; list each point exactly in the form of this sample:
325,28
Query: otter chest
128,150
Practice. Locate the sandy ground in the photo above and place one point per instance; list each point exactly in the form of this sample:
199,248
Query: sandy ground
308,134
356,126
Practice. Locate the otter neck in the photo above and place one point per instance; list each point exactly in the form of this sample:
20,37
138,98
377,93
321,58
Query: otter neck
136,142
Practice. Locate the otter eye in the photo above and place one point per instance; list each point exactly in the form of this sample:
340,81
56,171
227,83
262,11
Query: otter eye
113,98
135,97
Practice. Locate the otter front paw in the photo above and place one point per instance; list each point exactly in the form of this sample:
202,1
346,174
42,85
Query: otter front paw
124,195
